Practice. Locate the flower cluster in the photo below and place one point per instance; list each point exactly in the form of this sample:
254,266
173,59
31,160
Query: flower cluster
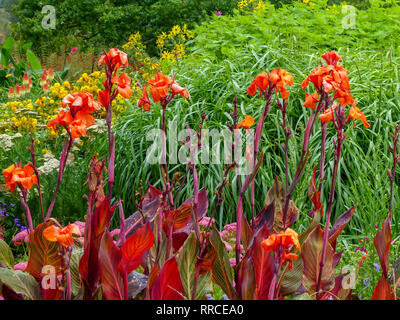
172,44
20,90
277,79
250,5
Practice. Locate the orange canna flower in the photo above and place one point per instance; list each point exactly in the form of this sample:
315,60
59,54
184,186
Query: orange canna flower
286,239
281,78
160,86
260,82
81,101
331,57
246,123
328,115
356,113
144,102
63,236
23,177
124,85
311,100
177,89
114,57
289,257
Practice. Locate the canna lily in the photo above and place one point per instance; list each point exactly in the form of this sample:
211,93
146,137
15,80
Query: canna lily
104,98
331,57
311,100
114,57
78,118
261,82
64,236
246,123
23,177
328,115
331,77
281,78
161,84
356,113
286,239
124,85
144,102
81,101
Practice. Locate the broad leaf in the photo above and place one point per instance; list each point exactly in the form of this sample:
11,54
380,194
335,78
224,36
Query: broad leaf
112,280
33,60
292,279
277,195
133,249
6,256
43,252
382,243
339,225
222,271
311,255
187,264
168,285
21,283
383,291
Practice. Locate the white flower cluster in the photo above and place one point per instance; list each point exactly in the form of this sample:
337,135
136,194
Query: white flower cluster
6,141
50,164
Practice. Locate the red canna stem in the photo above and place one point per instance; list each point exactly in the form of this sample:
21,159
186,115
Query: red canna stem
339,124
63,161
303,160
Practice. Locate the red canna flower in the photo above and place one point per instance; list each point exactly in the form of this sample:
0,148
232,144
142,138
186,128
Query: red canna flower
124,85
114,57
23,177
104,98
311,100
331,57
64,236
144,102
246,123
82,101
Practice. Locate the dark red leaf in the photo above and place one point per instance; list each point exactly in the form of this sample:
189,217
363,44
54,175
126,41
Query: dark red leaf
383,291
168,285
133,249
112,280
382,243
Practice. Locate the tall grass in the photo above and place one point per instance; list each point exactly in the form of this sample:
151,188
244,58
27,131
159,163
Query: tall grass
362,179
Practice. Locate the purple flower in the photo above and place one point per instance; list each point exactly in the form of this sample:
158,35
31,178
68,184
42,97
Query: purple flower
377,266
16,220
218,13
366,282
7,214
376,226
12,204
